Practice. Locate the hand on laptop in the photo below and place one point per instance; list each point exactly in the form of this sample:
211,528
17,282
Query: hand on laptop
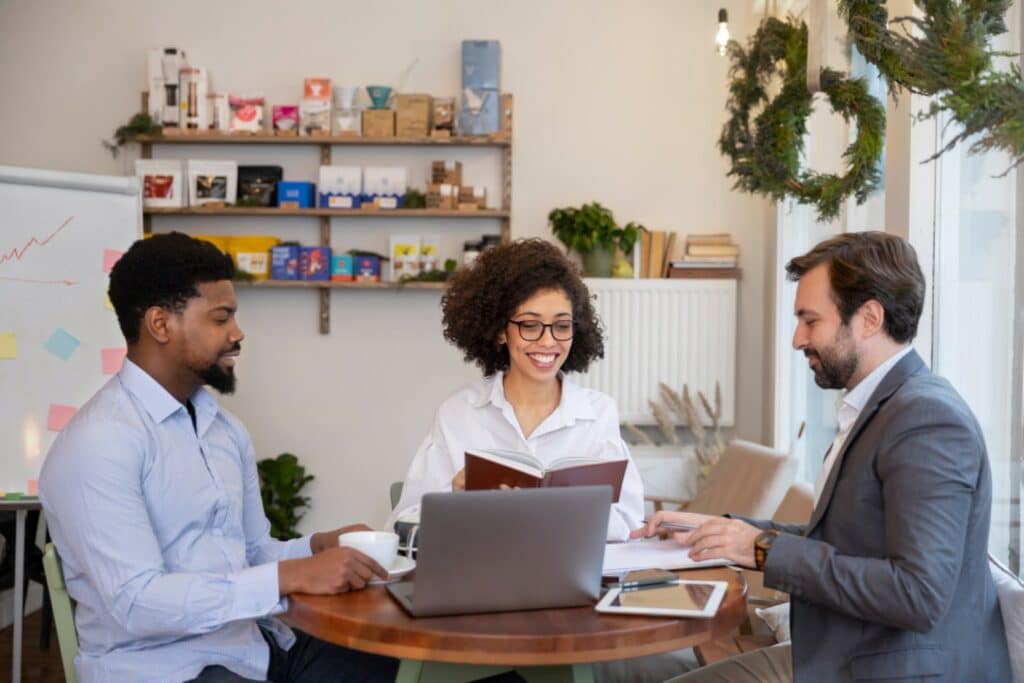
333,570
323,540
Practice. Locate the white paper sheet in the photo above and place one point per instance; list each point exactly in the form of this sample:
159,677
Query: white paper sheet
620,558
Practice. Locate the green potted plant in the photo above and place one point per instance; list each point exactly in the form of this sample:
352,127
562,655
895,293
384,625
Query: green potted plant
591,232
281,480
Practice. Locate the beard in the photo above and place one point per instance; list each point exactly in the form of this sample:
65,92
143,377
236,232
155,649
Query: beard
837,363
221,379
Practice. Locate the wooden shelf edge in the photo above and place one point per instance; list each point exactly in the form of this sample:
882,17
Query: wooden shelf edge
327,284
339,213
264,139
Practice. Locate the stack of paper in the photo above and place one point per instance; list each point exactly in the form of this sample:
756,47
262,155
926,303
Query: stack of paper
620,558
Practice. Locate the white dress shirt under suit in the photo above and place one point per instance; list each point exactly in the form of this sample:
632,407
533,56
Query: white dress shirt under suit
585,424
161,529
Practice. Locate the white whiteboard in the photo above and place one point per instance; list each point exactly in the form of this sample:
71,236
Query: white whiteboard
58,234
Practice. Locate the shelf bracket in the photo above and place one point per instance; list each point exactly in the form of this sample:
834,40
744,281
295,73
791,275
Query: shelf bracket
325,310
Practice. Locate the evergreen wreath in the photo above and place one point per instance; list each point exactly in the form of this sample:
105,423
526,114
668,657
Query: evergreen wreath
765,153
945,54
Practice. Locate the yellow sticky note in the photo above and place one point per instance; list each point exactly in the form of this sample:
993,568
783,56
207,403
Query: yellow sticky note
106,302
8,346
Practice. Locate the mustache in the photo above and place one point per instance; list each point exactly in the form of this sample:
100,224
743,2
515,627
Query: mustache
237,346
808,353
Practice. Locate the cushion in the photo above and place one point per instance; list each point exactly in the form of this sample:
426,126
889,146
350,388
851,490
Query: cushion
777,619
1010,590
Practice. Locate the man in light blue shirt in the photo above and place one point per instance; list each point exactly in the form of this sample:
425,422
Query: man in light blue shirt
152,497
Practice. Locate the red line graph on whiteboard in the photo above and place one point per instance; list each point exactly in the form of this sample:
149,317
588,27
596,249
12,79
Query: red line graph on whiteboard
16,254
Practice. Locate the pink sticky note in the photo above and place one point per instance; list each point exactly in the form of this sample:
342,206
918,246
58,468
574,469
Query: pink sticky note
59,416
33,487
110,257
113,359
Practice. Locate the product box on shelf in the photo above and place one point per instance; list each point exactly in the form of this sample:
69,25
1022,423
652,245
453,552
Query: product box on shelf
220,111
367,268
449,172
314,263
192,87
340,187
472,198
385,187
162,68
430,253
284,262
481,64
343,268
412,116
295,194
441,196
442,117
404,255
252,254
314,117
378,123
212,182
479,112
286,119
163,182
505,115
317,88
257,185
246,113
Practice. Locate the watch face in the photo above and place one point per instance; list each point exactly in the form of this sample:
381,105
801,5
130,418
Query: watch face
765,539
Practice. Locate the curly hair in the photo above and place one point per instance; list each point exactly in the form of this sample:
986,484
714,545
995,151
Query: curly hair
163,270
480,300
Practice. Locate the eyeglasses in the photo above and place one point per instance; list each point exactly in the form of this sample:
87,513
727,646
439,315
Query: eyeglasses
532,330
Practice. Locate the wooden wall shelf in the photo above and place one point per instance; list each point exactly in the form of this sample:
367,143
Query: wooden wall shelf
328,284
264,139
351,213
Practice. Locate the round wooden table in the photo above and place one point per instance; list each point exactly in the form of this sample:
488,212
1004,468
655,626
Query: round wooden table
570,639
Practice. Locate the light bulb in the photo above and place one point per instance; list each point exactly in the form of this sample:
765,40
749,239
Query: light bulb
722,37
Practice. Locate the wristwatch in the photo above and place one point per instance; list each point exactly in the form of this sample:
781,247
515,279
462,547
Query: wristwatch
762,544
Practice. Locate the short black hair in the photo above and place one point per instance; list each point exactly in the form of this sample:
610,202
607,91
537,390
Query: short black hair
481,299
163,270
870,265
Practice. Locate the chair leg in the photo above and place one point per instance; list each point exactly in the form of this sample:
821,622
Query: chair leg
46,621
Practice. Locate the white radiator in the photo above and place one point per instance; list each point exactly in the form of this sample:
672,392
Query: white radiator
663,330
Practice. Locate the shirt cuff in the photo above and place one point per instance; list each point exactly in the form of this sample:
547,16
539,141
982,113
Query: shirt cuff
257,592
299,548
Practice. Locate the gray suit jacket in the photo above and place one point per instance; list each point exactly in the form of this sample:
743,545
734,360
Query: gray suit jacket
890,579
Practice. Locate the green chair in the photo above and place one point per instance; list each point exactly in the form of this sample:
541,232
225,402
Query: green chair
396,493
63,612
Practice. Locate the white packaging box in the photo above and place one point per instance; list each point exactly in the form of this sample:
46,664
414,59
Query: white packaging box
212,182
342,184
192,88
163,182
155,84
387,182
404,253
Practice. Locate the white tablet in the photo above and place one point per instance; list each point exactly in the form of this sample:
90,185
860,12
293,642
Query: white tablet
687,598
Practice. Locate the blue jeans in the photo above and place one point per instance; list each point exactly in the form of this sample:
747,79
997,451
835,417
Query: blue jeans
311,660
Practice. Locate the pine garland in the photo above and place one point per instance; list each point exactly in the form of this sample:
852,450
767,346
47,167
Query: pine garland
945,54
765,153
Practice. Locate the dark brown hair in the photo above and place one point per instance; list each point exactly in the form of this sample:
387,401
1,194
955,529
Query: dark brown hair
481,299
870,265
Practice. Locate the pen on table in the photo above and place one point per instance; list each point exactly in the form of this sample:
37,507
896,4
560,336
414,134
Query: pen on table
675,526
640,584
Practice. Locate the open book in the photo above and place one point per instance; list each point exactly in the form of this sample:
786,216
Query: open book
490,468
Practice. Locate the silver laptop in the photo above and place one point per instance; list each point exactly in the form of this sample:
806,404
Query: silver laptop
499,551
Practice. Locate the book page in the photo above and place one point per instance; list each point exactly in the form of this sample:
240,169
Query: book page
524,462
620,558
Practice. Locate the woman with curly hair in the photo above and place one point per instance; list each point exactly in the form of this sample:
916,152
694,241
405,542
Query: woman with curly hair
523,314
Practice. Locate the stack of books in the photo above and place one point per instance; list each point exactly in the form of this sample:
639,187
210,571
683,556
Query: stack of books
657,249
707,256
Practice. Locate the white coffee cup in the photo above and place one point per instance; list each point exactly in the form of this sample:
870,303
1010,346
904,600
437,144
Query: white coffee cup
382,546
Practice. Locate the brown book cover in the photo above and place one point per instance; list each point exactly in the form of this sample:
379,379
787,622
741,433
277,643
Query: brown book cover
489,469
657,253
645,253
713,250
670,245
715,238
706,273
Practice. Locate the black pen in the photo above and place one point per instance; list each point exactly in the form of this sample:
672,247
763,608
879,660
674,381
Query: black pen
675,526
641,584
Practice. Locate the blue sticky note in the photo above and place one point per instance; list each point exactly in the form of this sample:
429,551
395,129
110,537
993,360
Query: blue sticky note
62,343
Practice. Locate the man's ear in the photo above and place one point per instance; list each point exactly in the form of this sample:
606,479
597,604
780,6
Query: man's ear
158,323
872,315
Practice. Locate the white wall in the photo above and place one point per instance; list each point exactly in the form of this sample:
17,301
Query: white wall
617,102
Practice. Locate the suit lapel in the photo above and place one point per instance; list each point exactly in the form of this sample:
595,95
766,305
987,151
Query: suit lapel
900,373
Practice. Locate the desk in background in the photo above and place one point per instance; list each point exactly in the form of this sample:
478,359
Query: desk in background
20,507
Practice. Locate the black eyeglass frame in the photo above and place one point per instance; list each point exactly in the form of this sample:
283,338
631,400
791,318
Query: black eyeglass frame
543,327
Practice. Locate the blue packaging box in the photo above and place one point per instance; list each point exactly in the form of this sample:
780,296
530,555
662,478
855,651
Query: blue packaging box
295,194
367,268
481,64
337,200
284,262
314,263
343,268
488,120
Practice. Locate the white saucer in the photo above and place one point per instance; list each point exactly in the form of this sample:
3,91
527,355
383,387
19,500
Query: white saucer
399,568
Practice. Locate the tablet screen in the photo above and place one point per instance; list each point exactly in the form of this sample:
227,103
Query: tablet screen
683,596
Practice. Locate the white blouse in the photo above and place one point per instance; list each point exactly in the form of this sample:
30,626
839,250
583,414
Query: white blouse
585,424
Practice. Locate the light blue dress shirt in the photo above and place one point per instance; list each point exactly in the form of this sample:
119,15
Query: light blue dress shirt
161,529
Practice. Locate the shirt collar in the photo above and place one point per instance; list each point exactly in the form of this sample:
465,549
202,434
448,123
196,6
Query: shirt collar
573,404
850,404
157,401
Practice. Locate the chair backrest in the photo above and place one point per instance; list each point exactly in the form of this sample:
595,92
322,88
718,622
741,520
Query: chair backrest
396,493
749,479
796,506
63,612
1010,590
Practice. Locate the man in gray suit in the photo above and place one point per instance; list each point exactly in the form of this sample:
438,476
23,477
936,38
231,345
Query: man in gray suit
890,578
